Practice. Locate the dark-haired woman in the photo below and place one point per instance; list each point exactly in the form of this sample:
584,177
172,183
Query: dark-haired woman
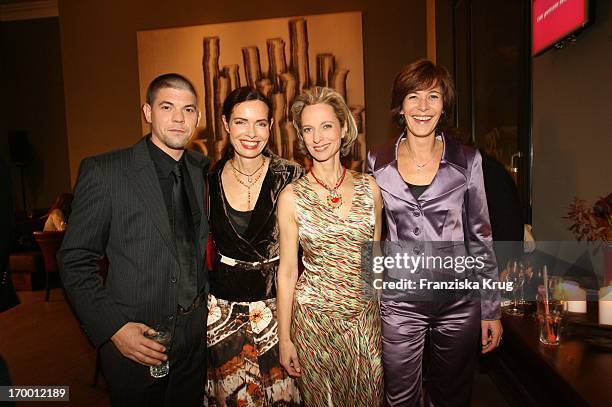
433,191
242,339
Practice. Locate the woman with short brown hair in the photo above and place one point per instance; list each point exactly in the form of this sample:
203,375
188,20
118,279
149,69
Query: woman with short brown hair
433,191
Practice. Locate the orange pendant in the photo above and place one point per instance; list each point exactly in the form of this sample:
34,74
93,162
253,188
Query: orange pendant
334,200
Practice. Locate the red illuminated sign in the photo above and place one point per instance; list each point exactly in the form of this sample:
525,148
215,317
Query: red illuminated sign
553,20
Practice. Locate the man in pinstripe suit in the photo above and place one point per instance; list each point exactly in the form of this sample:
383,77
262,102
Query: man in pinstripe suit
143,208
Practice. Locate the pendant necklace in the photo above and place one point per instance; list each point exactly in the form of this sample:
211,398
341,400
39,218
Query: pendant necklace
419,167
251,179
333,199
249,176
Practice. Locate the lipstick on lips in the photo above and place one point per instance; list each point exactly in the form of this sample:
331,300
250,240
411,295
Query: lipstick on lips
422,118
320,148
249,144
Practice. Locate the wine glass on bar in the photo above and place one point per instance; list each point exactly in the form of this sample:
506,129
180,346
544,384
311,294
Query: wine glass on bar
527,274
516,276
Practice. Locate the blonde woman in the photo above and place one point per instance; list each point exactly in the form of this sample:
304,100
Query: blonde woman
329,330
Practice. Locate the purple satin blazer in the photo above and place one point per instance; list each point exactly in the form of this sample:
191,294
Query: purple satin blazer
456,196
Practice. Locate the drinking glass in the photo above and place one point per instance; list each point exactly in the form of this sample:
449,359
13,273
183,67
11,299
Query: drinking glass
163,336
516,276
527,275
550,317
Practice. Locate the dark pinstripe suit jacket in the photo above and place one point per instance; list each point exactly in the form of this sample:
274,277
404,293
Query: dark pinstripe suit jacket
119,211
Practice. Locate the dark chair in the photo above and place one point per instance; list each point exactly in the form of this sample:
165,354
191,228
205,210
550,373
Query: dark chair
49,243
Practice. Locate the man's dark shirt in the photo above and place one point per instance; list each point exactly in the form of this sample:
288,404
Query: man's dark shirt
164,164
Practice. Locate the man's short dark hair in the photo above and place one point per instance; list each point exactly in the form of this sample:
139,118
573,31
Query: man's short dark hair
169,80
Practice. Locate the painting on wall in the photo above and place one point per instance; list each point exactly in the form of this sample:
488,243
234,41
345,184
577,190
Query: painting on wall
281,57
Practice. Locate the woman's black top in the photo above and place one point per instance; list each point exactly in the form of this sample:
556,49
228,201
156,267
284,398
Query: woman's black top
417,190
240,219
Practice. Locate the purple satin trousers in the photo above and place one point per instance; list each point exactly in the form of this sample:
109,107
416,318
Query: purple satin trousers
454,331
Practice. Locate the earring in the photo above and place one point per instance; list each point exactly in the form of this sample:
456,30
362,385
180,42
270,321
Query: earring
401,120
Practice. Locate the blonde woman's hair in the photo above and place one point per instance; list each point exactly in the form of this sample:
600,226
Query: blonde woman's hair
328,96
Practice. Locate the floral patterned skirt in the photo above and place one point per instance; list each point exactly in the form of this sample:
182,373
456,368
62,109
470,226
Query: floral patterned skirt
243,359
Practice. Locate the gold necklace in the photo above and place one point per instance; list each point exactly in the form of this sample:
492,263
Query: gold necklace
419,167
250,180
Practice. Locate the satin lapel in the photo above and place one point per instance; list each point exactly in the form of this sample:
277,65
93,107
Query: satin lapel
389,180
387,174
451,173
146,185
447,179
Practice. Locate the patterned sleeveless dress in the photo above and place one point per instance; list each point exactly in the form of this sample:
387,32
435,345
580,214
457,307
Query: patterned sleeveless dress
336,326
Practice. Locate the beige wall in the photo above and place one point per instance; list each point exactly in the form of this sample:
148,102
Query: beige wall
101,70
572,126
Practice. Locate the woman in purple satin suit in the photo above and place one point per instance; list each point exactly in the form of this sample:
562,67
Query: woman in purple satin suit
433,191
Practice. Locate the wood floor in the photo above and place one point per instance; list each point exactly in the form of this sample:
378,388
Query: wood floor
44,345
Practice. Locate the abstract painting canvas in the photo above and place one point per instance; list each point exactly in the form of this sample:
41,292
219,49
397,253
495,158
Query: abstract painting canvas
282,57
